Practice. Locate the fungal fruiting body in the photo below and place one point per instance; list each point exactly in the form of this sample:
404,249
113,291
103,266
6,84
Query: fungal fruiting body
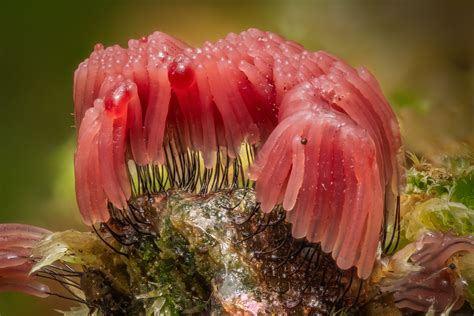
16,243
434,282
327,143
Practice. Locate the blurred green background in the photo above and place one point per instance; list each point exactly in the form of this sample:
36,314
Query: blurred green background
421,51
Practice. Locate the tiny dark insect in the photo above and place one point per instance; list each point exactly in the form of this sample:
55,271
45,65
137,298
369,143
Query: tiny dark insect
190,113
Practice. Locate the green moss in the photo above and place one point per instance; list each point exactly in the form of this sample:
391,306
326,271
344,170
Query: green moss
169,269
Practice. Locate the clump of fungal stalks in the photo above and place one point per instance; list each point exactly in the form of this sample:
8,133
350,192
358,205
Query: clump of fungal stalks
249,176
324,141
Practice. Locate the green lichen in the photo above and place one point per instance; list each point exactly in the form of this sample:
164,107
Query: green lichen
439,215
442,198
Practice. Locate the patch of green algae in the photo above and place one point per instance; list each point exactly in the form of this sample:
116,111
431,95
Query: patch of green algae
438,199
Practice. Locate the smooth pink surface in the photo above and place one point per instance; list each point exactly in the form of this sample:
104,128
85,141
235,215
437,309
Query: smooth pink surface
16,242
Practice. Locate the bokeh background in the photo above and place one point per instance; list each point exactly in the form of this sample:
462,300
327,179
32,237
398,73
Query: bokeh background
421,51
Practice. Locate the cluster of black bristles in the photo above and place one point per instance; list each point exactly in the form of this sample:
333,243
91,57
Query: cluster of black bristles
184,170
132,225
67,277
390,241
123,233
303,276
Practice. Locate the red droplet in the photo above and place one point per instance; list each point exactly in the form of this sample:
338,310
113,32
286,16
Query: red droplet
118,98
180,75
